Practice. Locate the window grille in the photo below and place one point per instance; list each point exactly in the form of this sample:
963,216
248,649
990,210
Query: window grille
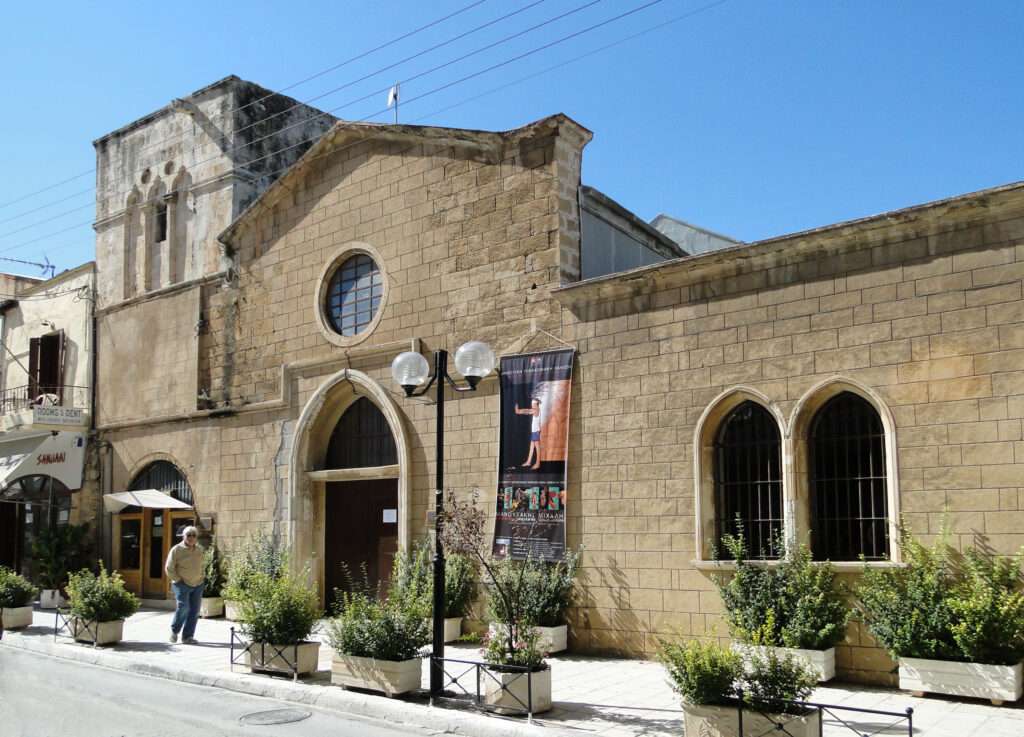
164,476
353,295
748,480
849,499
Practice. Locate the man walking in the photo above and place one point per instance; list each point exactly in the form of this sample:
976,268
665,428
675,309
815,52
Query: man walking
185,569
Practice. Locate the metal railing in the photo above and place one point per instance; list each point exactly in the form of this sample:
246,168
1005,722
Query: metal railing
485,673
64,622
254,655
43,395
793,723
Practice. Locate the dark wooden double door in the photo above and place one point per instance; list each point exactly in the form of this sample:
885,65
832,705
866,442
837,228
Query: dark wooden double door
361,532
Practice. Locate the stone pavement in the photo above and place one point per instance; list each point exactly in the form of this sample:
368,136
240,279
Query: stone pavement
593,696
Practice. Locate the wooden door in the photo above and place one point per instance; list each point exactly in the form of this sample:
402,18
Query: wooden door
361,529
128,549
154,584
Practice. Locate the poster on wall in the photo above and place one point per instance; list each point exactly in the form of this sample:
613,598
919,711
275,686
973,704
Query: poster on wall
534,448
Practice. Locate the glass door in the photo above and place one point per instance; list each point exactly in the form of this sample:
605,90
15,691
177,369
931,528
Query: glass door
128,550
153,584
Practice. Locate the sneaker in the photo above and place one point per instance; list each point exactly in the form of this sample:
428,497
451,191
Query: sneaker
189,641
174,637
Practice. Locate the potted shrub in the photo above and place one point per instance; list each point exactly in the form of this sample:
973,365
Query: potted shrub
412,586
954,623
259,555
712,680
460,590
794,607
213,583
58,551
376,643
99,606
16,595
278,615
546,594
518,674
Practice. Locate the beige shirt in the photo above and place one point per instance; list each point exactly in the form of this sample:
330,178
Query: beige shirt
185,564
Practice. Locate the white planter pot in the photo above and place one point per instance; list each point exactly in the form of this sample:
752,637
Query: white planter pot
391,677
822,662
100,633
452,629
16,617
518,691
549,639
997,683
723,721
212,606
231,610
50,599
278,658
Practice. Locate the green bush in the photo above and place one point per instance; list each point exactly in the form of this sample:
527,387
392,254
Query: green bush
366,627
259,555
412,580
460,585
522,648
795,604
15,590
58,551
771,680
543,589
701,672
101,598
942,606
213,571
280,610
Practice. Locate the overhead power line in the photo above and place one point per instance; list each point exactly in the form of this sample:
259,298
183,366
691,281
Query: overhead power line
494,90
235,149
293,85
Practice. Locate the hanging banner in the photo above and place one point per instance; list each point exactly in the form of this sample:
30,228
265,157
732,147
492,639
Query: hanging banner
535,392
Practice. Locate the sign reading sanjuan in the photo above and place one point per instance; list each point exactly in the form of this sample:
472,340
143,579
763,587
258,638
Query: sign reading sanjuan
535,393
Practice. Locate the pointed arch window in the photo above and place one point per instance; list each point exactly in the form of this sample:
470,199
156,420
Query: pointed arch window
362,438
748,480
848,483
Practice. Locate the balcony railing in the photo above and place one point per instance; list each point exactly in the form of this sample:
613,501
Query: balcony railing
44,395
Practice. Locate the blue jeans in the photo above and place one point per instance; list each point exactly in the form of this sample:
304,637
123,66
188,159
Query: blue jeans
189,599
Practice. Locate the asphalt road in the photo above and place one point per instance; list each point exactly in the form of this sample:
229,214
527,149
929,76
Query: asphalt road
42,696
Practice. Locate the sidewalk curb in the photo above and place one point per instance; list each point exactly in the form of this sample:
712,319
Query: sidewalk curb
324,697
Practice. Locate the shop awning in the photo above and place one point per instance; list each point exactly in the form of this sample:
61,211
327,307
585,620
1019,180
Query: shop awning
152,498
60,455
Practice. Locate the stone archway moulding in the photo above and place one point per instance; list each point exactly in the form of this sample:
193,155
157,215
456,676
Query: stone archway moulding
299,512
703,461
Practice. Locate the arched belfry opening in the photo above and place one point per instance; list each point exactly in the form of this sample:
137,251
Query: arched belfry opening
348,506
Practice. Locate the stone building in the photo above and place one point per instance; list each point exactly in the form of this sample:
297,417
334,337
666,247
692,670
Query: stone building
46,392
738,381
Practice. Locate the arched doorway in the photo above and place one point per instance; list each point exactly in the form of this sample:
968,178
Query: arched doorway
360,512
144,536
28,505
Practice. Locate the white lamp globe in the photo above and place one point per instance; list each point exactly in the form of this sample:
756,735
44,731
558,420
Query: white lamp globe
474,360
409,370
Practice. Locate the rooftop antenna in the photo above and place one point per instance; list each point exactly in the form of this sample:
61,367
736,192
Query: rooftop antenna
46,267
393,99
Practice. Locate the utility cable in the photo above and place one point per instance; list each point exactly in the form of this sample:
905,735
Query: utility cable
357,57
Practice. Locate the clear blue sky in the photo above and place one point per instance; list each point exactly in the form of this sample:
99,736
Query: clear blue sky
750,118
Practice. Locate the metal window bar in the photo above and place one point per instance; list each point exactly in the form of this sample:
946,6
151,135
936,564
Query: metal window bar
482,672
848,481
257,656
72,626
748,480
860,729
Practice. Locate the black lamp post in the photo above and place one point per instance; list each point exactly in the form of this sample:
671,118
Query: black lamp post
474,360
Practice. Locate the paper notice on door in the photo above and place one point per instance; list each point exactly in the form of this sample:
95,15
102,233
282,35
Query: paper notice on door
390,516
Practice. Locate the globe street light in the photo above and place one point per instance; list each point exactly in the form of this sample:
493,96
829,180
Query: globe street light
473,360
